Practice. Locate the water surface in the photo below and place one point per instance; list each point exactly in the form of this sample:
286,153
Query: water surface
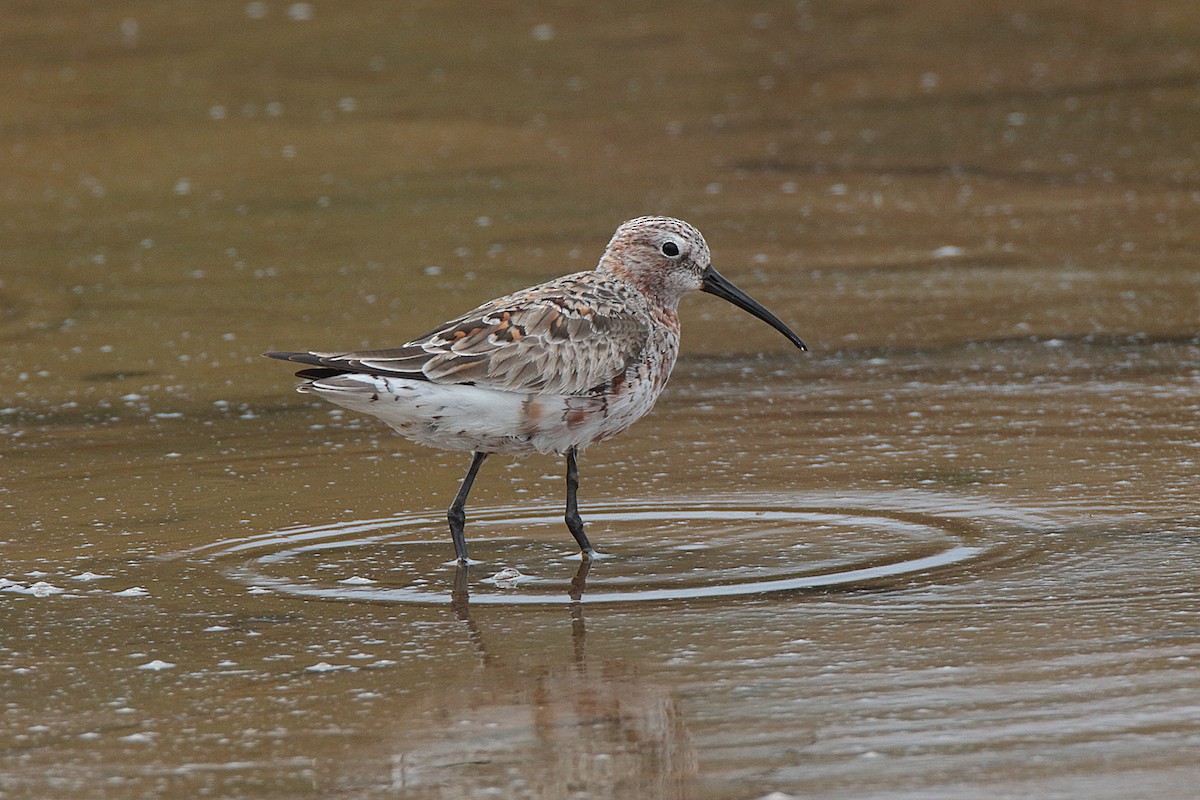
950,552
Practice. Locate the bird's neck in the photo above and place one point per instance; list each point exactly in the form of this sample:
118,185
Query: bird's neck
641,280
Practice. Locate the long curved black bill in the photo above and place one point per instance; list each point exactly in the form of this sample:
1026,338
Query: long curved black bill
715,283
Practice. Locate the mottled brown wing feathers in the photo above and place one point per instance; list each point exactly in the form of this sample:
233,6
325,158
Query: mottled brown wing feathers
540,341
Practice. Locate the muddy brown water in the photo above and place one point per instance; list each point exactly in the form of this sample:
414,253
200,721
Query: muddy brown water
953,551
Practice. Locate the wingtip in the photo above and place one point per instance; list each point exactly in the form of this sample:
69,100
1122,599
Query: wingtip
298,358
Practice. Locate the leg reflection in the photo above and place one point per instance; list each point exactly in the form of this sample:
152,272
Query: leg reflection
568,723
578,627
460,604
579,582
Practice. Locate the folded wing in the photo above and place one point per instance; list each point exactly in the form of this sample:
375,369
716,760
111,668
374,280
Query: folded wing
550,339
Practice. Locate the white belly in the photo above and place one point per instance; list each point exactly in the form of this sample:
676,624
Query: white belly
474,418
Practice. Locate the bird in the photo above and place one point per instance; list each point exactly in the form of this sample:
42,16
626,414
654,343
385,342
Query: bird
548,369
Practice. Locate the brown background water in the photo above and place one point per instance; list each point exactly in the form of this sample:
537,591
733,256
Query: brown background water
982,217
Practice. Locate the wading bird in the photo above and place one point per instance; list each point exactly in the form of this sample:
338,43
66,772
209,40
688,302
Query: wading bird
549,369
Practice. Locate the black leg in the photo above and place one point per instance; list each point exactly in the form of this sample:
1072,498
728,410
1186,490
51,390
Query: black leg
574,522
458,509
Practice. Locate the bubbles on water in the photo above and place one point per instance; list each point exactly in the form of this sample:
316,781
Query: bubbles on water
129,32
507,578
139,738
89,576
300,12
37,589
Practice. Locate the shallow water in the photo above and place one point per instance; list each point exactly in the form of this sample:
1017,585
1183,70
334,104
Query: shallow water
951,552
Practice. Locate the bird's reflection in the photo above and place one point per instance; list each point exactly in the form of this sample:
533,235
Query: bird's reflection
578,626
460,604
586,726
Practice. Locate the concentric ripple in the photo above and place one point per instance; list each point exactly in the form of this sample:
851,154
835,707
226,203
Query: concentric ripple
653,551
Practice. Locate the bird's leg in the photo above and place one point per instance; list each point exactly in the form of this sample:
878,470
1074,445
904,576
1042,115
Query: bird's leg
574,522
458,509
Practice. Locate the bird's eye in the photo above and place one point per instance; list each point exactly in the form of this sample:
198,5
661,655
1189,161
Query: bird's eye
670,249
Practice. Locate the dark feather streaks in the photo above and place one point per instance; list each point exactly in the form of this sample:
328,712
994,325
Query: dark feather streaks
572,336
